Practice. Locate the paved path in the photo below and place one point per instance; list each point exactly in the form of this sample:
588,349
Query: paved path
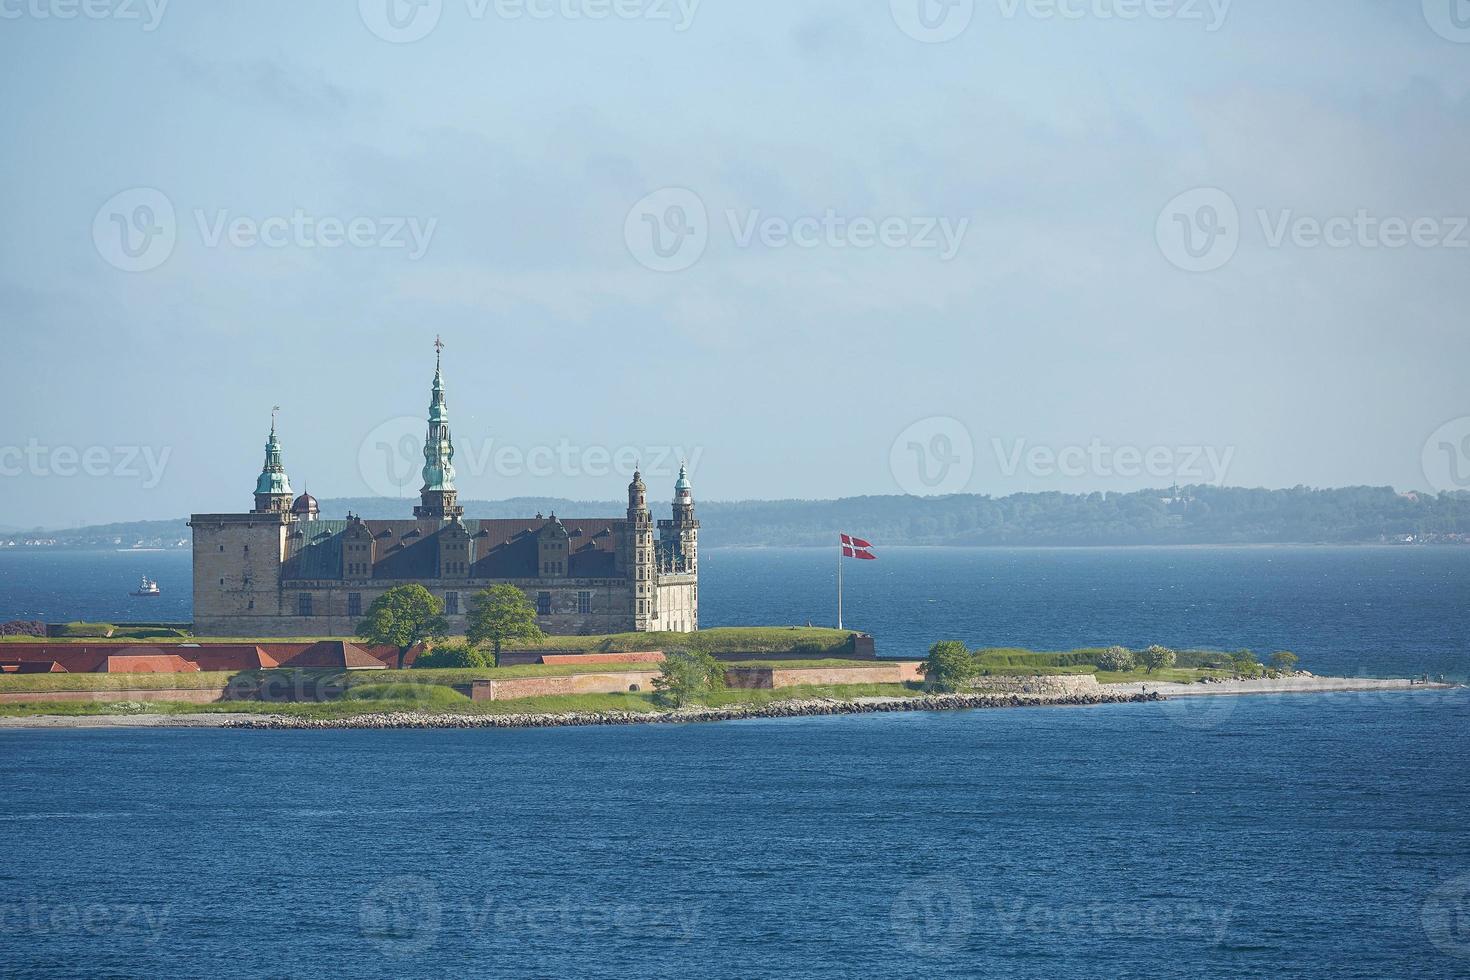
1283,685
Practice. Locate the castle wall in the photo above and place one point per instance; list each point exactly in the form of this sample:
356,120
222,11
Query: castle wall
608,607
678,604
237,571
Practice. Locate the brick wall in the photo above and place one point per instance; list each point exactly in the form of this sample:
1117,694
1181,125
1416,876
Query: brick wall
612,682
775,678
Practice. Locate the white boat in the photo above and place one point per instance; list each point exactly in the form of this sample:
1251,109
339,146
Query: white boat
148,587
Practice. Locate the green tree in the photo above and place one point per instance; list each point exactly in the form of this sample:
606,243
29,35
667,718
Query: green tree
501,613
1158,658
949,667
1116,659
460,655
403,616
1285,661
687,677
1245,664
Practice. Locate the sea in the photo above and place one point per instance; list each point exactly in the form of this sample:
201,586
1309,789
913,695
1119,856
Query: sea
1290,836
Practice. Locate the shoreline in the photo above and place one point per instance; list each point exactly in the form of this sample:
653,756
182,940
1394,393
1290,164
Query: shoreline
796,707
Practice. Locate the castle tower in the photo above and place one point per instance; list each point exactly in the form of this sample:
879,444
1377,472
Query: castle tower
685,524
679,538
272,488
439,501
638,545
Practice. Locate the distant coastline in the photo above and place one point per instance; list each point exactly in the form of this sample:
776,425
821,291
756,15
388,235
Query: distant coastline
1199,516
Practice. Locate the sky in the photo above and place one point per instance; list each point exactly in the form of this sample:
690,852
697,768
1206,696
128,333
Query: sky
818,249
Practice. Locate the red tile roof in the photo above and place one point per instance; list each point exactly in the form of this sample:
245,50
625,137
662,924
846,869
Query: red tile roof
145,663
35,667
334,655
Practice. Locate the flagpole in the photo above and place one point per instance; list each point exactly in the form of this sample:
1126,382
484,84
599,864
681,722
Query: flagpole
839,582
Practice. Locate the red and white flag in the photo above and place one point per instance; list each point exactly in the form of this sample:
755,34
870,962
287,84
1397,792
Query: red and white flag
857,548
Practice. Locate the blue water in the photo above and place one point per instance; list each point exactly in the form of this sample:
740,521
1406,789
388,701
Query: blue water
1352,611
1312,836
1322,836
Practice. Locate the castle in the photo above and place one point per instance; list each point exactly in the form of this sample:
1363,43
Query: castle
281,570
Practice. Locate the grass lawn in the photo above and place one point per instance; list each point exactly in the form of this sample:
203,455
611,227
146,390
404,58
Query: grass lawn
753,640
441,700
206,680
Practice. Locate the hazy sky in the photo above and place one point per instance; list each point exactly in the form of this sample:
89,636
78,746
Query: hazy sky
822,248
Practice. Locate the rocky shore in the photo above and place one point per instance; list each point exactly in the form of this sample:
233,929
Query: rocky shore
797,708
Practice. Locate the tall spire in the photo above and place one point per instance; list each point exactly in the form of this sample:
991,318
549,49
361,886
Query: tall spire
438,498
272,487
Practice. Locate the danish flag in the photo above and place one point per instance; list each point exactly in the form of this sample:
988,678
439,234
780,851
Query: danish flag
857,548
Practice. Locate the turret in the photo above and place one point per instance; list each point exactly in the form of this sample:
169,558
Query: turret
305,508
272,488
439,501
679,538
638,554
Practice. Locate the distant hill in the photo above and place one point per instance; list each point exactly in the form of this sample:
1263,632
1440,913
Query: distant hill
1191,515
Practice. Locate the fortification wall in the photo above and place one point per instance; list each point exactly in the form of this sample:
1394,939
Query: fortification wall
776,678
1064,685
612,682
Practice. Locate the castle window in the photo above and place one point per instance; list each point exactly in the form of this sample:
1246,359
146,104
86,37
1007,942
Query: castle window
584,602
354,603
451,603
250,604
543,603
221,548
303,604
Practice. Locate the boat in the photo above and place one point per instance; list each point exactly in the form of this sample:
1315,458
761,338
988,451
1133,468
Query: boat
148,587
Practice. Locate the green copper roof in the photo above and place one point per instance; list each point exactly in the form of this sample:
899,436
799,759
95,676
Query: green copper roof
438,443
683,482
272,479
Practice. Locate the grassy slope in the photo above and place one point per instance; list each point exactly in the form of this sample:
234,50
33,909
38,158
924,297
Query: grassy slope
754,640
447,701
206,680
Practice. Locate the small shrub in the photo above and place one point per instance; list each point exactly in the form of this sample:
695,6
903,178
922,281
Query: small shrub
23,627
686,677
1116,659
1285,662
453,655
949,667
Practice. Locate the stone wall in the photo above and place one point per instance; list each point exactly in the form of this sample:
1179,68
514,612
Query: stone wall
610,604
612,682
1056,685
678,607
776,678
237,572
